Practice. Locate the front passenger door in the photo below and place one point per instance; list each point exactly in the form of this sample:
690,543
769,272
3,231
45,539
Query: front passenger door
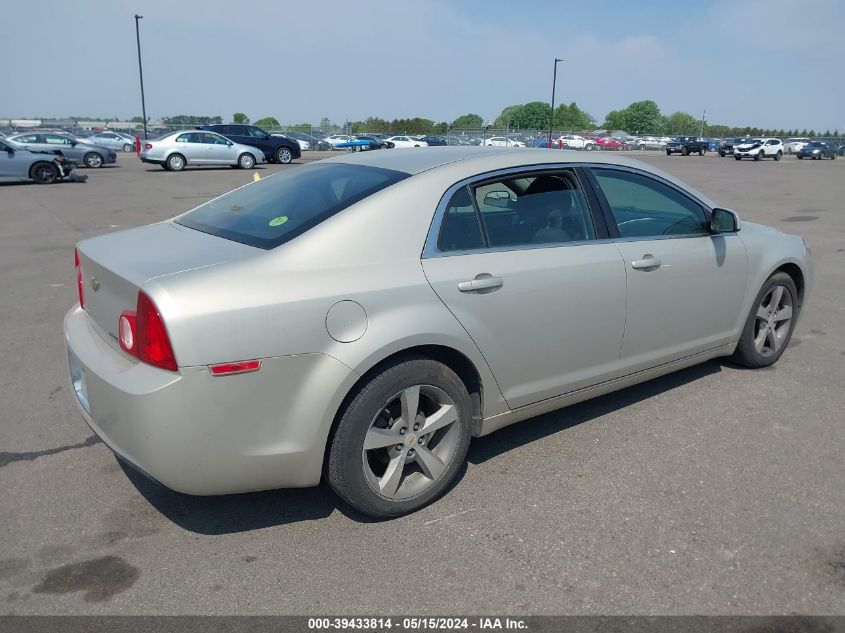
684,284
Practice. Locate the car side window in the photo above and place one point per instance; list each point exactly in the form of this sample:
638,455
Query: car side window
533,210
213,139
28,138
460,229
54,139
189,137
645,207
255,132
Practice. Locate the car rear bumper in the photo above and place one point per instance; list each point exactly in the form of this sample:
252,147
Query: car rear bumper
205,435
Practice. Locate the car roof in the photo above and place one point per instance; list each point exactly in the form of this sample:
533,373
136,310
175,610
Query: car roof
479,160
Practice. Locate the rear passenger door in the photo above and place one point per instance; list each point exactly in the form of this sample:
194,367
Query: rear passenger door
521,262
684,284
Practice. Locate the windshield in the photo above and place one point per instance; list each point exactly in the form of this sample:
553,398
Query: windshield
276,209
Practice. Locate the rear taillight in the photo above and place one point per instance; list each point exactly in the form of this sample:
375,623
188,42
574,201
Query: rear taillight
80,284
142,334
126,332
148,145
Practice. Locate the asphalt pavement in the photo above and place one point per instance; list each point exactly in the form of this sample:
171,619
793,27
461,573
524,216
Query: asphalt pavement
715,490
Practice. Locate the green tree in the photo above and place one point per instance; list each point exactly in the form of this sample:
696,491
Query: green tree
571,118
468,122
240,117
505,119
324,122
643,117
811,134
682,123
268,121
535,115
615,120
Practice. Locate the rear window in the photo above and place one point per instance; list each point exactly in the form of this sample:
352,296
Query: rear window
276,209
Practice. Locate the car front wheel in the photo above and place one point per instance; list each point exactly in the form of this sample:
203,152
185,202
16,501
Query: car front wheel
93,160
769,326
402,438
44,173
283,156
246,161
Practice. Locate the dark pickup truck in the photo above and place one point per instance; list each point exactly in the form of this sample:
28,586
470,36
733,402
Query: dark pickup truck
686,145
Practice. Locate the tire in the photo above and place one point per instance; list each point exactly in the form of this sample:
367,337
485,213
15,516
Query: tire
701,151
127,147
721,154
800,158
685,152
175,162
758,155
738,157
246,161
283,155
763,324
833,157
361,477
93,160
779,155
44,173
589,147
668,153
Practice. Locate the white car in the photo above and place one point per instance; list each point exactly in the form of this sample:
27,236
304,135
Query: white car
759,148
336,139
303,145
794,145
501,141
406,141
573,141
176,151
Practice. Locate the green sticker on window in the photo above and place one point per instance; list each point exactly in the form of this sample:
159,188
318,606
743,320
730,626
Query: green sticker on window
278,221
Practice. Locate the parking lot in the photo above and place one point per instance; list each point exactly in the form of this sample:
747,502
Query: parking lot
715,490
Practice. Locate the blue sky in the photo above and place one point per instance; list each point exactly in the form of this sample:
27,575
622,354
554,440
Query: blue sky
744,61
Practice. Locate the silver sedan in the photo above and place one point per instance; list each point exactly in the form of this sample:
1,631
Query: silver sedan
362,318
196,147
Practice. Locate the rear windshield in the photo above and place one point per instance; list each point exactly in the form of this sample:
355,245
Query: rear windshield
276,209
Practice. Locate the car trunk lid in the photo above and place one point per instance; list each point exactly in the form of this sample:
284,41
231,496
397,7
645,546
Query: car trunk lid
117,265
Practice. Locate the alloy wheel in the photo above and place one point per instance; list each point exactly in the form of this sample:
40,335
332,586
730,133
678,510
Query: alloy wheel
411,442
773,321
93,160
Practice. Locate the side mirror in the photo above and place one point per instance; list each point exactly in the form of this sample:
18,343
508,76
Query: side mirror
229,143
724,221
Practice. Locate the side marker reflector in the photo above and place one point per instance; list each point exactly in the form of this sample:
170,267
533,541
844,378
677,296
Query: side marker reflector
241,367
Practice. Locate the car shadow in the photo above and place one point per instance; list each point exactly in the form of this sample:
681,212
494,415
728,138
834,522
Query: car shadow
158,169
230,514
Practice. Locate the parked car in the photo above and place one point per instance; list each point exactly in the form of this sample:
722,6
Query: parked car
759,148
686,145
292,330
817,150
574,141
313,142
198,147
73,148
501,141
277,149
726,147
610,143
712,145
363,143
405,141
114,140
793,145
434,141
334,139
21,164
647,142
303,145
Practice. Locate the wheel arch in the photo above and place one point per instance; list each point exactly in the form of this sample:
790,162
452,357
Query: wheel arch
449,356
794,271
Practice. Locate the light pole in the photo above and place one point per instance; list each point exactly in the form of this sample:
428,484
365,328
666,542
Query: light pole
141,74
552,116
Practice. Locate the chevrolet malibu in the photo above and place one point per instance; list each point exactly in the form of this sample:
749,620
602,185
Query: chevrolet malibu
361,318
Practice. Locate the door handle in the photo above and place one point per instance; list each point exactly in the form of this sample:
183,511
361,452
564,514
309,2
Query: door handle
480,283
648,262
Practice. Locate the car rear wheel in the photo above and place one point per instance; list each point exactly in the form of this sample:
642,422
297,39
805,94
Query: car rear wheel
93,160
175,162
589,147
779,155
246,161
283,156
127,147
44,173
769,326
402,438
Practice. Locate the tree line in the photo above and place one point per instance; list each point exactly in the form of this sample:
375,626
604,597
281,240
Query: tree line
640,117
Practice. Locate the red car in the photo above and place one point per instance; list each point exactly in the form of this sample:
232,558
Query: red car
608,142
